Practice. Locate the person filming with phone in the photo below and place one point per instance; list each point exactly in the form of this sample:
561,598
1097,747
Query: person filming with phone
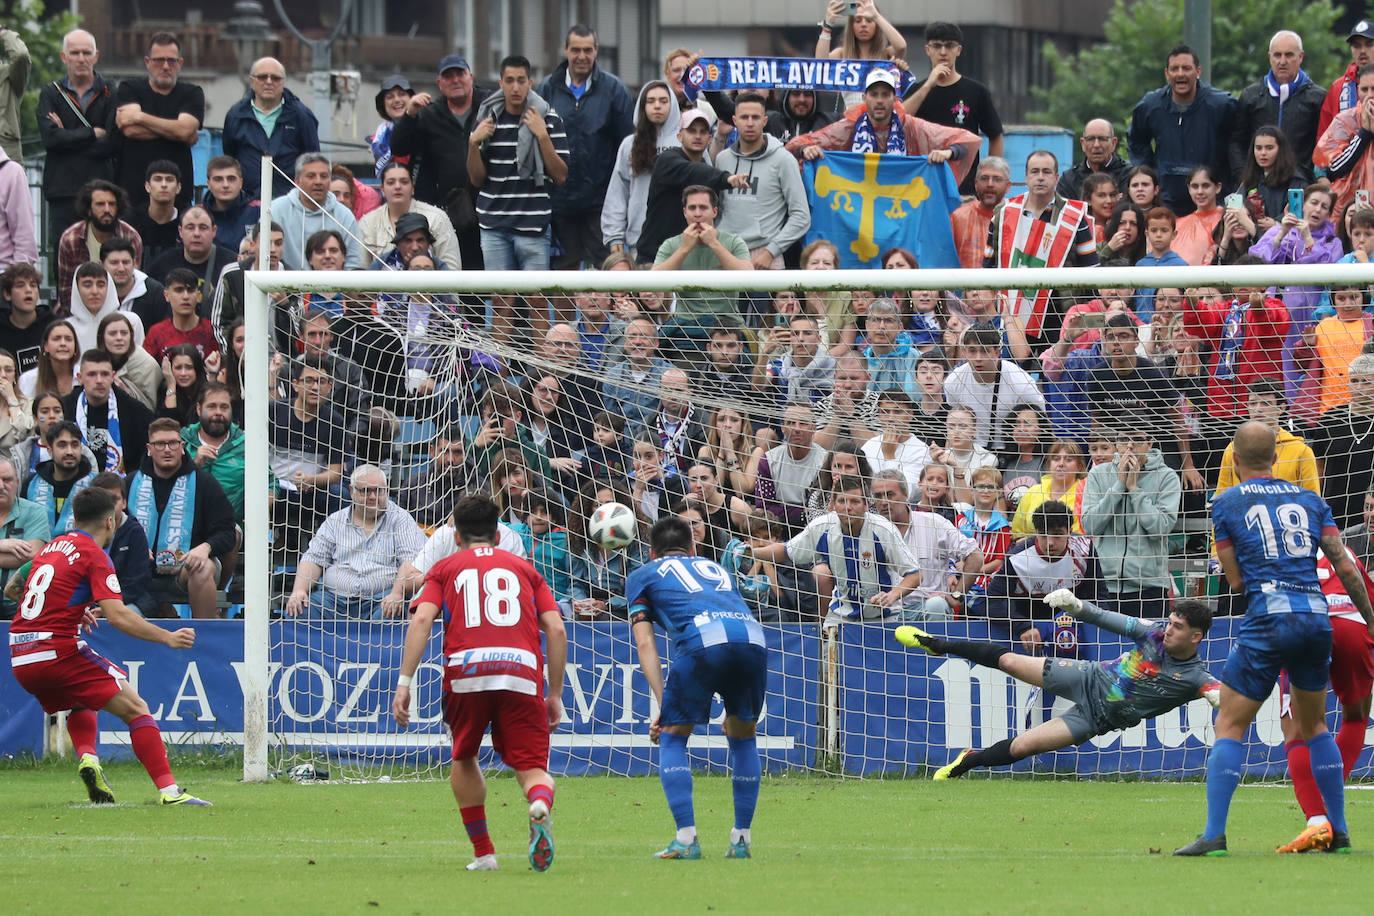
1343,149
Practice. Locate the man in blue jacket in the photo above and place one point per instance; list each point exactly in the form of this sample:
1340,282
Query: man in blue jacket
1183,124
269,119
597,114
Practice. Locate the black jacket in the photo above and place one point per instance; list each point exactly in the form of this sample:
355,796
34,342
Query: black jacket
213,521
1173,142
75,156
133,426
437,143
663,217
133,564
785,125
1257,108
595,125
1071,182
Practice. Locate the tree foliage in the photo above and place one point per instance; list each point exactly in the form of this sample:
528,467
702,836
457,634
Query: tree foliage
42,33
1107,79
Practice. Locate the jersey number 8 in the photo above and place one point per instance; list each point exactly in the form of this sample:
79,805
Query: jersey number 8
499,597
39,580
1293,534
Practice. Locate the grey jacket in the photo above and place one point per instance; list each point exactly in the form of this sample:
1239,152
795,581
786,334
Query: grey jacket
772,211
1131,528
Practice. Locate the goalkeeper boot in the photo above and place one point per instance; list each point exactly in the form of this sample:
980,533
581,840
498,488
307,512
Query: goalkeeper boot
183,797
93,776
1340,843
915,638
483,863
1201,847
738,850
1315,836
676,850
541,836
947,771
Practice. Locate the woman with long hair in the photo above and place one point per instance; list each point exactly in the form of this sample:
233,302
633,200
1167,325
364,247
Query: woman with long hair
830,308
16,410
510,480
1142,188
1064,482
846,459
57,361
1271,170
1124,236
136,372
1234,235
1193,238
231,373
28,453
867,34
622,212
730,449
183,375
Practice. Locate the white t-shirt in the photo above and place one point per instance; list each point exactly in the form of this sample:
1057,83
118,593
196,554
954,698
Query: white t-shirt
911,458
938,547
441,545
1017,387
872,561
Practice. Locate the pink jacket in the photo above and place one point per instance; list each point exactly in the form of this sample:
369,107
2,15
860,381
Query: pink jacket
18,242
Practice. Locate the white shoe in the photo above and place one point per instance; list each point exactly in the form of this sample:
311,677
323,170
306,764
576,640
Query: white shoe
483,863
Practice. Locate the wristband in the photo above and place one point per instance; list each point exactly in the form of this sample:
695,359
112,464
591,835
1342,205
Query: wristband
404,680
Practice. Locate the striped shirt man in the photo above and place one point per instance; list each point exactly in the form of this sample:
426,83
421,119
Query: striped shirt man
875,560
362,563
513,198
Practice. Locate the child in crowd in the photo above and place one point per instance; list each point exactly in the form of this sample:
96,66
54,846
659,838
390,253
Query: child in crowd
1026,464
931,410
546,543
989,528
934,490
608,454
1331,344
598,576
1101,445
961,454
1161,227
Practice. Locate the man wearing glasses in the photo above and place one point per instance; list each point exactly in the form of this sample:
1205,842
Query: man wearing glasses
1099,143
269,119
158,118
1182,124
188,519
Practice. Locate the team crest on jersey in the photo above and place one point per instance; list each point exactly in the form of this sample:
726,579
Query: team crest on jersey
866,560
112,582
1065,633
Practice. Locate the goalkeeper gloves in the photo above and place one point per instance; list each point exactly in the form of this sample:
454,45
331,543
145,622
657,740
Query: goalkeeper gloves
1062,599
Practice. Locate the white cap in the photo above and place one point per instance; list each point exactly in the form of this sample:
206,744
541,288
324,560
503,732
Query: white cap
880,75
692,114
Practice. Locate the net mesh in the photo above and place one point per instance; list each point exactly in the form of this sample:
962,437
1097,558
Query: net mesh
958,423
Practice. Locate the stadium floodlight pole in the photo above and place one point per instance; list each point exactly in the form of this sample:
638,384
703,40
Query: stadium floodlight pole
687,281
257,322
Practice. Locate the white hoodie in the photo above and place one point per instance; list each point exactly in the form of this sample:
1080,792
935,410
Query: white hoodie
87,324
622,213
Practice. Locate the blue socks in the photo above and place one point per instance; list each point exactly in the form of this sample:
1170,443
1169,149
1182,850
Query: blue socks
1223,775
1330,777
745,769
675,774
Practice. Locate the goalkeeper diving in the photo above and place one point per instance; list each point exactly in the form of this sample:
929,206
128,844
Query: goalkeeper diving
1161,673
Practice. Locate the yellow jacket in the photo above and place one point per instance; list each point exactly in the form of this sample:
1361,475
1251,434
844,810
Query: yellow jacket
1021,523
1295,463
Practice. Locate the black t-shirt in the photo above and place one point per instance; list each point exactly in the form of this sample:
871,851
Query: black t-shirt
208,272
1145,396
930,427
1345,441
966,104
136,155
23,342
296,442
158,238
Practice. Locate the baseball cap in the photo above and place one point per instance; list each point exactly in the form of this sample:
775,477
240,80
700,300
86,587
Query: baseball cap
395,81
692,114
1362,29
880,75
452,61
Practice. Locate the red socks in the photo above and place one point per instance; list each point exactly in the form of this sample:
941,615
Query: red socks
147,741
541,793
475,820
1350,739
82,727
1304,785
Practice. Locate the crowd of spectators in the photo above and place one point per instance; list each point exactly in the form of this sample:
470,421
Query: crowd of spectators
845,455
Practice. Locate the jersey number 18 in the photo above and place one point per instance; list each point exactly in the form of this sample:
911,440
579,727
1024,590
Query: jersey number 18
497,599
1292,537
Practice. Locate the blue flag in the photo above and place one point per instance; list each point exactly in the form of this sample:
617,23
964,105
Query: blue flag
823,74
866,203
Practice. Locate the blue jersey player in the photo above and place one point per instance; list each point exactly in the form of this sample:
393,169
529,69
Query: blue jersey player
1268,535
718,648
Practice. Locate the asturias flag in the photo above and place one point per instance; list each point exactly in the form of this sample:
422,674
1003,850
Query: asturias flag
866,203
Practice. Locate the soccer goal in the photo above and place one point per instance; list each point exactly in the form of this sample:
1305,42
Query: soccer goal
448,380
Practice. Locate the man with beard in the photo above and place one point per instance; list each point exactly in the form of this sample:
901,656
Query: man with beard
216,444
430,493
799,115
113,423
970,221
158,118
54,482
98,205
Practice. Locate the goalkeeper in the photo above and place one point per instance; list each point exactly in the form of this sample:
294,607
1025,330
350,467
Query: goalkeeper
1162,672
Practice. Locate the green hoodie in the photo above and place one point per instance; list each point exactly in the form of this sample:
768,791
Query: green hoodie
1131,529
226,467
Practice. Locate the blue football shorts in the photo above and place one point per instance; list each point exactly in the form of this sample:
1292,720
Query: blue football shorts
1270,643
736,671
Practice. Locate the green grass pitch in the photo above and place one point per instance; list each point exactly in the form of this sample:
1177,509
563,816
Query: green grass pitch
820,845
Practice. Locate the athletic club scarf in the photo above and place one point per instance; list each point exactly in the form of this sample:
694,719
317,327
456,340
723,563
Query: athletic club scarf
712,74
169,533
114,443
41,492
866,140
1024,240
1284,91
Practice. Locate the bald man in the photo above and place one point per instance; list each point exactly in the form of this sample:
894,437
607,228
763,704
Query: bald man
1269,536
1099,142
80,146
269,119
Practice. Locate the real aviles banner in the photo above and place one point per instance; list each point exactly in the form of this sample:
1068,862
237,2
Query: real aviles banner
725,73
330,686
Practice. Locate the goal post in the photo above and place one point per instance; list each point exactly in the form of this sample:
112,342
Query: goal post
870,707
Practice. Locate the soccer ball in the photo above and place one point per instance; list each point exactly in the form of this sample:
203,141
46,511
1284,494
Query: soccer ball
612,526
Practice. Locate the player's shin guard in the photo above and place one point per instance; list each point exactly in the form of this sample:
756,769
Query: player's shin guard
987,654
1304,786
745,772
1326,770
1223,775
1350,740
675,774
83,729
146,738
475,822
